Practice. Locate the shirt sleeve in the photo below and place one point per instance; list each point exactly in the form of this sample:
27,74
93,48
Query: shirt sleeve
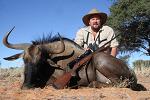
79,37
114,43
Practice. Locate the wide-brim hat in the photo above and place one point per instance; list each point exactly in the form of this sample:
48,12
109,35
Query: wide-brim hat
87,17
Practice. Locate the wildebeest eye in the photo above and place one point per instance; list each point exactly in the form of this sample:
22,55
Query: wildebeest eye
37,51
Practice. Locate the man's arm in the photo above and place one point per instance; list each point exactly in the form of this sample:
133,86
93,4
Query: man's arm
114,51
79,38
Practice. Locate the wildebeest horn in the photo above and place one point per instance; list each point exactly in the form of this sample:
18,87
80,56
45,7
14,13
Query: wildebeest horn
53,64
21,46
55,47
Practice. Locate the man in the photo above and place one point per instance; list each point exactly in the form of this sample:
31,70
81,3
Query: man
95,33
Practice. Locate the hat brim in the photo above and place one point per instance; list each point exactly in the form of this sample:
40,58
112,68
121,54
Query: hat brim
86,18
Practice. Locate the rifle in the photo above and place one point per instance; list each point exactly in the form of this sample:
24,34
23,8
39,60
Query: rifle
62,81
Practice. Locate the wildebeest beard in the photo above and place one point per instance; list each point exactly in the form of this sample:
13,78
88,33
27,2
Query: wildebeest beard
38,70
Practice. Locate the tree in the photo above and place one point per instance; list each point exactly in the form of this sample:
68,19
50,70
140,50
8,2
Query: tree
131,19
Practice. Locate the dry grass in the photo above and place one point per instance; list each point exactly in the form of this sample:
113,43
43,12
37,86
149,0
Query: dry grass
10,82
11,74
143,71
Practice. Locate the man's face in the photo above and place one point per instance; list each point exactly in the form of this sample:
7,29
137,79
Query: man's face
95,22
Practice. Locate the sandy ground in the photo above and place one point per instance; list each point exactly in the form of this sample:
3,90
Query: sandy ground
11,91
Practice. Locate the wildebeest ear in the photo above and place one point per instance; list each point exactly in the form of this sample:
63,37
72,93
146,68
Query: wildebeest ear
14,57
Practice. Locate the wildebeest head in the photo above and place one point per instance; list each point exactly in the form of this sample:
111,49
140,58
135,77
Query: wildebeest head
35,57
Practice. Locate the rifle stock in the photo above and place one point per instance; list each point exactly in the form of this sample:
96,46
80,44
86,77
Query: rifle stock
62,81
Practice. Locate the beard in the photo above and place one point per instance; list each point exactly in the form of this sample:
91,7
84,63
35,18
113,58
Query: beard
95,27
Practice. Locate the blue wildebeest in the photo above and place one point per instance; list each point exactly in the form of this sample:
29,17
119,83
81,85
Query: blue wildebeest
46,59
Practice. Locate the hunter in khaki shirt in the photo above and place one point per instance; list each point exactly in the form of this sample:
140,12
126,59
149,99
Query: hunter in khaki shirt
95,33
104,35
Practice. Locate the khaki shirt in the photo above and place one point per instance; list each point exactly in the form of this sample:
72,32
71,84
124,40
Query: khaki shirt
106,33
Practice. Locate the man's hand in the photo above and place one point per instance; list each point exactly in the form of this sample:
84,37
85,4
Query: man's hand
86,49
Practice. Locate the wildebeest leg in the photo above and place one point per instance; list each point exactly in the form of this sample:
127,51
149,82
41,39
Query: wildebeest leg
101,78
82,74
77,79
111,67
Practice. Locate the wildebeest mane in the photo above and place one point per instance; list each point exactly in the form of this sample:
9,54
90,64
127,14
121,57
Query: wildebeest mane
49,39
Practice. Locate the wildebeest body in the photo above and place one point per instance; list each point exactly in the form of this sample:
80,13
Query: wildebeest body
47,59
